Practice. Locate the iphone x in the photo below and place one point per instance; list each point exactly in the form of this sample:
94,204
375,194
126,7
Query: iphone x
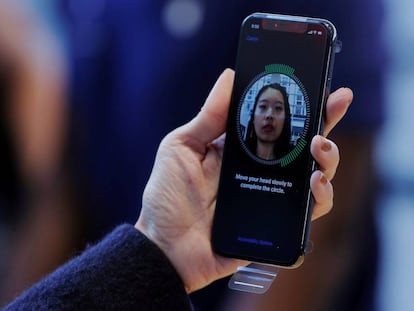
283,73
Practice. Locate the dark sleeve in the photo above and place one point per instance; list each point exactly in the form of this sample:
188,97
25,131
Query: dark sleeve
125,271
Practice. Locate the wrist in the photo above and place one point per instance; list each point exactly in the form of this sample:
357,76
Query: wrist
170,251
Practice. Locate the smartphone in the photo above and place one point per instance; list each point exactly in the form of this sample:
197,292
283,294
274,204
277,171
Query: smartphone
264,203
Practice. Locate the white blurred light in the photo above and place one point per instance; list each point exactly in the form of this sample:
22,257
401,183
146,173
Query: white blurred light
183,18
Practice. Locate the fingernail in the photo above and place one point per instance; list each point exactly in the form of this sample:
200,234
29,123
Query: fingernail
323,179
326,146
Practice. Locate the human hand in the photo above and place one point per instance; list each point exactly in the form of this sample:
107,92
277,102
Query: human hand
179,199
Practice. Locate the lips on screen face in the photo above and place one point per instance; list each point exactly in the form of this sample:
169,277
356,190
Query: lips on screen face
269,116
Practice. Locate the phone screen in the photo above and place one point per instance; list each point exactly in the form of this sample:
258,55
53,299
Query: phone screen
263,204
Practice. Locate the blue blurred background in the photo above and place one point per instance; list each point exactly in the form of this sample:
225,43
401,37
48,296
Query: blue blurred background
89,88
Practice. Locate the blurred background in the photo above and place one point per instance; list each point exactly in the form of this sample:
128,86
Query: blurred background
394,159
89,88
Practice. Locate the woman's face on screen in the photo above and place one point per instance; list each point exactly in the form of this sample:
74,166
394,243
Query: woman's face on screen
269,116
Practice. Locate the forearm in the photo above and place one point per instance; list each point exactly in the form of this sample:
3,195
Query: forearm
125,271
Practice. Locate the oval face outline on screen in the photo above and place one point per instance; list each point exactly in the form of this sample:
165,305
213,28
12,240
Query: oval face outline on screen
273,117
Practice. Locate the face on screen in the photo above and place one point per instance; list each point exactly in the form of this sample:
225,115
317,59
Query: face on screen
263,198
271,117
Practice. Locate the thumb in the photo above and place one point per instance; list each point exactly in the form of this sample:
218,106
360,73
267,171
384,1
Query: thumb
210,122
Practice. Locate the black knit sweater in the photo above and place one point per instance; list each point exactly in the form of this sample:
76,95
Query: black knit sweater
125,271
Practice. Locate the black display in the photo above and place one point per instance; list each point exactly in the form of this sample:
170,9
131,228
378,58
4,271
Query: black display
282,80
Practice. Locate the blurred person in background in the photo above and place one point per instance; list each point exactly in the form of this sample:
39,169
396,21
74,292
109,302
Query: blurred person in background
132,64
36,219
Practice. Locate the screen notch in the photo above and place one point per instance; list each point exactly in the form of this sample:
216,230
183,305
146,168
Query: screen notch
285,26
